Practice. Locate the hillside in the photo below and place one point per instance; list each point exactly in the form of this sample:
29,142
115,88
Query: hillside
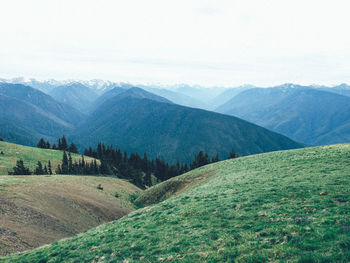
74,94
30,156
37,114
288,206
37,210
142,124
303,114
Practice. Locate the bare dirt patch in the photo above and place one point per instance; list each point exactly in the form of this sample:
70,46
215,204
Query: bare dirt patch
37,210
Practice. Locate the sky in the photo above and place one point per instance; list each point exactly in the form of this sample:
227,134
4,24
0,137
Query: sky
211,43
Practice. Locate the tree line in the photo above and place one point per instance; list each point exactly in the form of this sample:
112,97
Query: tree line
62,145
140,170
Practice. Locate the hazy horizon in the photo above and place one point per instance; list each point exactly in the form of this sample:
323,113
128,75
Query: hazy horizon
221,43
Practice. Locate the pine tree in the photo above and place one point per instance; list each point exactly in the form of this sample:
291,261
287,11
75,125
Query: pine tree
20,169
70,163
59,144
58,169
64,143
54,147
64,168
232,154
50,168
39,169
45,169
73,148
47,145
41,143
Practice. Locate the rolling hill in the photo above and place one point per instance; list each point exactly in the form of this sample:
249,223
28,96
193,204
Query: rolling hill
301,113
147,124
37,210
30,156
287,206
74,94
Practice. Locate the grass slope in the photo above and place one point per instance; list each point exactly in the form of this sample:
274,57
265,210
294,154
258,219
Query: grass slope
30,156
288,206
37,210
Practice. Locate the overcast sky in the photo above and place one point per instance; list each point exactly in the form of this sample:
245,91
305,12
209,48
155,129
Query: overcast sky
261,42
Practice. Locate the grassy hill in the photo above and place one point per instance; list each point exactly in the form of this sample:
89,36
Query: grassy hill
288,206
30,156
37,210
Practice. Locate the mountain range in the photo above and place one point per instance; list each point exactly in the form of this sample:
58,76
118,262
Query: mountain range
309,115
28,112
131,119
94,111
138,121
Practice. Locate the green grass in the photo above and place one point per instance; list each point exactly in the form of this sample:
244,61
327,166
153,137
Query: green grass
30,156
289,206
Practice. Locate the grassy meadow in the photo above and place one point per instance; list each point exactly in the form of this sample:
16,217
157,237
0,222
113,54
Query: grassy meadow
287,206
30,156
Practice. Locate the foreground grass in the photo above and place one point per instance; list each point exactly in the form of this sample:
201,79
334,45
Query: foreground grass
290,206
30,156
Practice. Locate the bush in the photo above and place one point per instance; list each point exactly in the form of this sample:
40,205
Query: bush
99,187
1,139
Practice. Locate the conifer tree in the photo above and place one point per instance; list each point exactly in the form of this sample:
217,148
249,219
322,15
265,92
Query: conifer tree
49,168
64,143
73,148
232,154
70,163
20,169
39,169
41,143
64,167
59,144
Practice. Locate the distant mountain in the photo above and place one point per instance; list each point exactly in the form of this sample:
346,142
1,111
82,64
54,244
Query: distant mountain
302,113
43,101
27,110
144,124
42,85
75,94
228,94
202,94
342,89
176,97
127,91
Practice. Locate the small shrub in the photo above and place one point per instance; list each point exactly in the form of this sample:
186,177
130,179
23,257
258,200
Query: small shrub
1,139
2,153
99,187
116,195
345,244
